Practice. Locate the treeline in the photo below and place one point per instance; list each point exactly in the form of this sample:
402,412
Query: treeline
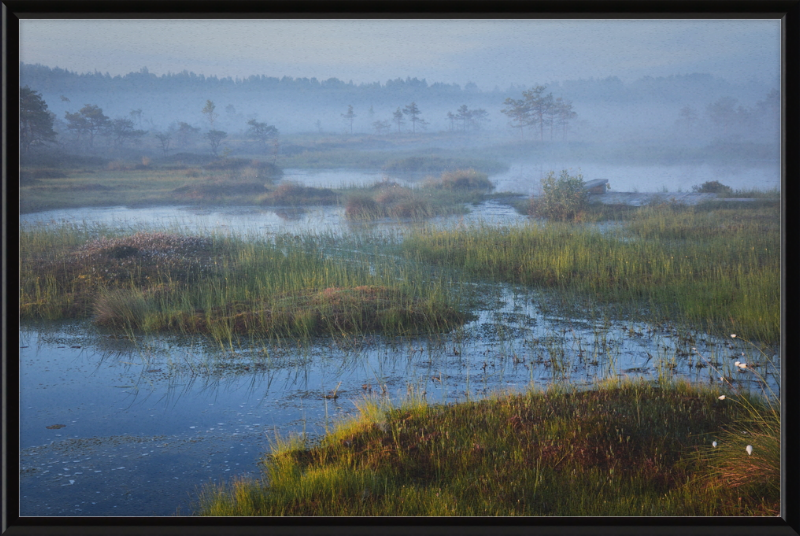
55,79
668,89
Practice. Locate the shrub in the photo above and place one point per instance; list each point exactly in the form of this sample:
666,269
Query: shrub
362,206
563,198
466,179
712,187
411,207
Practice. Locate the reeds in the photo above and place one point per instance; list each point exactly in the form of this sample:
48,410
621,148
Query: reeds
388,199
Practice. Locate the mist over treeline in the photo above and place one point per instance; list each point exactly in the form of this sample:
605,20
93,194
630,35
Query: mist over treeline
693,109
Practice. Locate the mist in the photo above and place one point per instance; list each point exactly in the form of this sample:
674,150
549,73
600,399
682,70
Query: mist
618,92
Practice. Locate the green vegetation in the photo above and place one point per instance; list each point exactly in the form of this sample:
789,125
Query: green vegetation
562,199
712,187
624,448
716,269
180,179
224,287
447,194
461,179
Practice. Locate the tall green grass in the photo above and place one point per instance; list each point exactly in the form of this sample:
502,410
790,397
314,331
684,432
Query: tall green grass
715,270
626,448
226,286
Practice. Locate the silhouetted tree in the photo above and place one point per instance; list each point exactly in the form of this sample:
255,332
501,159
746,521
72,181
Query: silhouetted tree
185,134
35,121
121,130
89,120
412,111
398,119
381,126
214,138
164,140
478,117
518,114
349,116
452,119
535,109
261,132
565,115
211,115
137,115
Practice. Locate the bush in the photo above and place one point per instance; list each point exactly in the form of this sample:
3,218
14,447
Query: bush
466,179
563,198
712,187
362,206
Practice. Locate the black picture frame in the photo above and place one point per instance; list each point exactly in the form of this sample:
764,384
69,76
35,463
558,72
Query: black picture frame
13,10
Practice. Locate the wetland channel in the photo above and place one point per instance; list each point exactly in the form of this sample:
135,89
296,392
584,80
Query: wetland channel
111,426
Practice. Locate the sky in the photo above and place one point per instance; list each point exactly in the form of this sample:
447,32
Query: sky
487,52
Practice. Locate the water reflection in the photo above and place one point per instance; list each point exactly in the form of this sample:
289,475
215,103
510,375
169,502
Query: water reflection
188,392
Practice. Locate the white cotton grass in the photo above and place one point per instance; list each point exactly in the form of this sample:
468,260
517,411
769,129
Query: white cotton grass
722,397
733,335
749,449
714,444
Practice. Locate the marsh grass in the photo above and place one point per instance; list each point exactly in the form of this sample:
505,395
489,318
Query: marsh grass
713,269
624,448
757,433
130,183
460,179
387,199
294,194
225,286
